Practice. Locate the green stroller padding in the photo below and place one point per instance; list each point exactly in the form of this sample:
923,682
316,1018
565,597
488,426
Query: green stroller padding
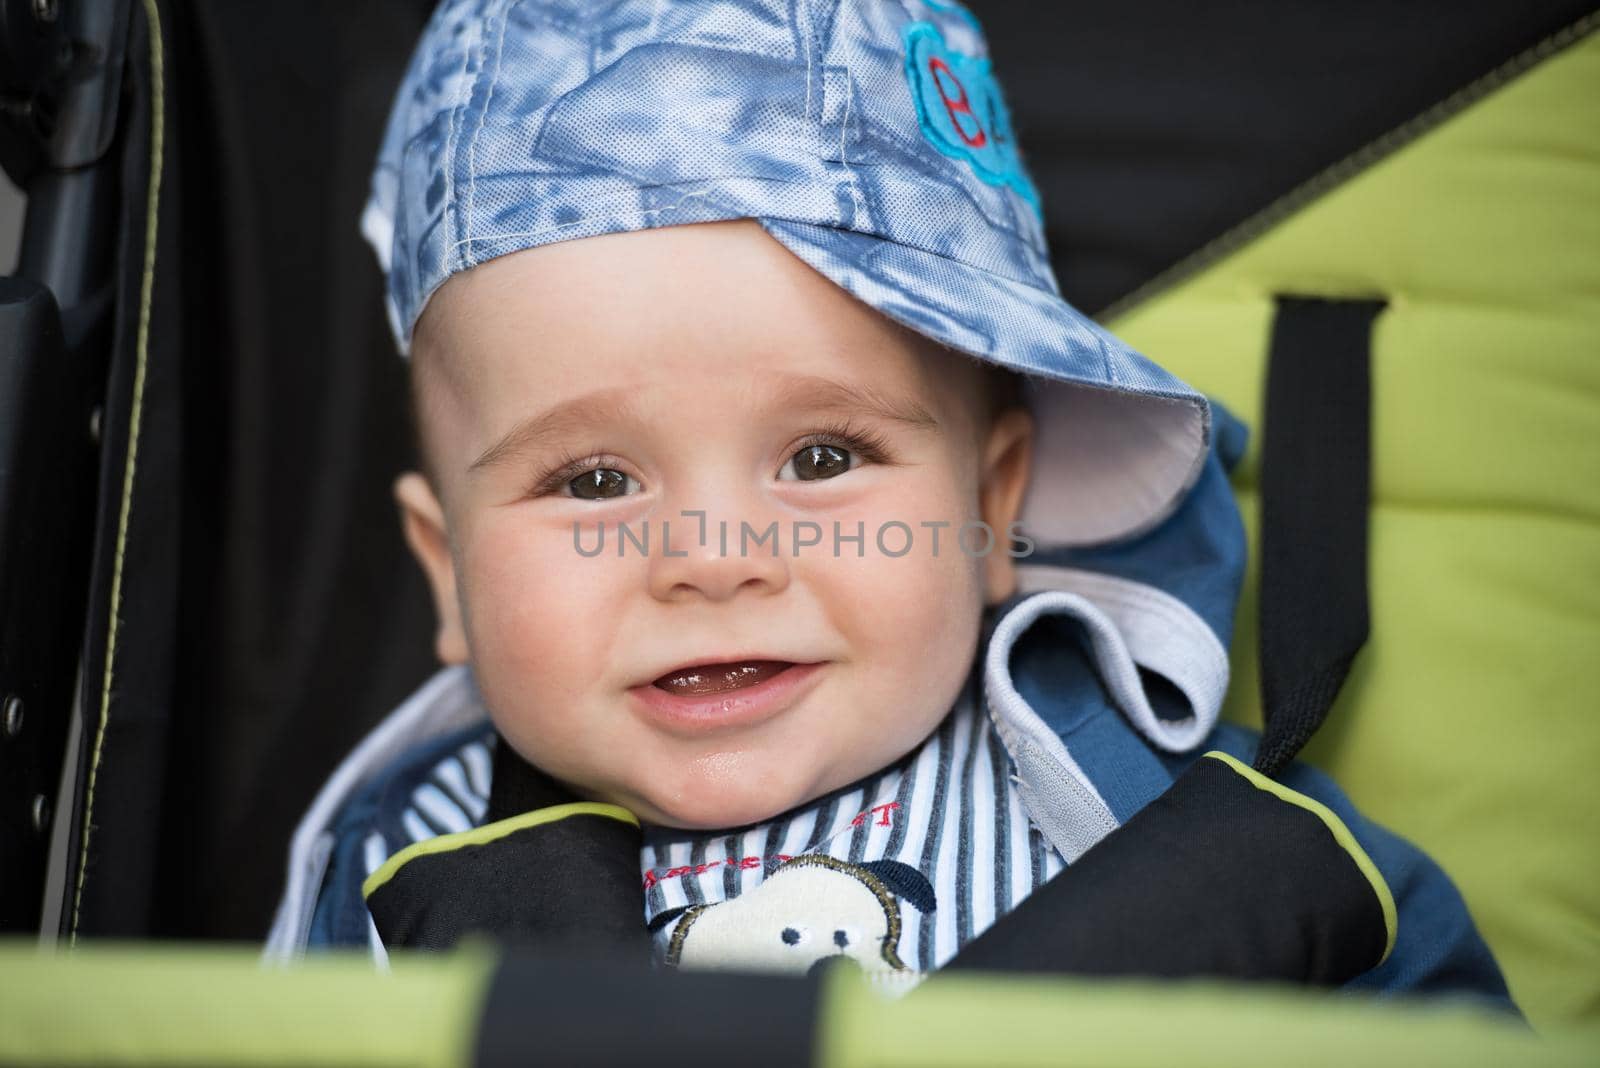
136,1005
1468,722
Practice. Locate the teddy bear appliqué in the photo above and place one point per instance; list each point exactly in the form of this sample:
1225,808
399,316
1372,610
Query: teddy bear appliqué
812,909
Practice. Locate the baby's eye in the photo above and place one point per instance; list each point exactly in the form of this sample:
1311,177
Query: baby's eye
817,461
602,483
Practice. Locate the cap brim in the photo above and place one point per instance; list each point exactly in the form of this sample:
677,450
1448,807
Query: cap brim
1118,441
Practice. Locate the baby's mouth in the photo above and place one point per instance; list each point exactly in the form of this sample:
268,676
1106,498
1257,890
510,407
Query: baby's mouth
702,679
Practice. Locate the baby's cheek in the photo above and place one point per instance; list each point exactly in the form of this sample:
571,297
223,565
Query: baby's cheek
934,617
941,604
533,617
933,582
911,619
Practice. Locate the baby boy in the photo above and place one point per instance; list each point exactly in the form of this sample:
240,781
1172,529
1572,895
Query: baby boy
757,443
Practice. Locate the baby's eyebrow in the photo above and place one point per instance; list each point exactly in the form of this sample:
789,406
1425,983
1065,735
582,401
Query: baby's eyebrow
803,393
815,393
605,405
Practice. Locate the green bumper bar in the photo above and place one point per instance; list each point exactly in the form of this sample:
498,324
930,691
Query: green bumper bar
153,1004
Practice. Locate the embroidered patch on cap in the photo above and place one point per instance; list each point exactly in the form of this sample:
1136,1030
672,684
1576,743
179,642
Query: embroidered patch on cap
961,111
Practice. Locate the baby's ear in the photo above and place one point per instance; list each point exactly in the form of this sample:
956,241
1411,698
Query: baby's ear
1006,463
422,522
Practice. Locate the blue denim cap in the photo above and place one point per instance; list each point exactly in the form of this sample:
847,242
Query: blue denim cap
868,136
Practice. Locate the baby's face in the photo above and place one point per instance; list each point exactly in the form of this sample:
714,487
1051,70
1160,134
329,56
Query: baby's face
636,377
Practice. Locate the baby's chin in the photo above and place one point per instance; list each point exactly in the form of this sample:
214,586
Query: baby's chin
716,803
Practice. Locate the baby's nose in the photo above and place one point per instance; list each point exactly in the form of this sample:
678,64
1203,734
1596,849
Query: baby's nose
716,559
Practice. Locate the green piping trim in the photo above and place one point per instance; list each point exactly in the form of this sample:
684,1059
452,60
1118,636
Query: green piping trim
490,832
1347,168
1341,834
131,462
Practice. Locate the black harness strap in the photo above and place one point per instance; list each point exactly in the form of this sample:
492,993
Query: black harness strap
1315,486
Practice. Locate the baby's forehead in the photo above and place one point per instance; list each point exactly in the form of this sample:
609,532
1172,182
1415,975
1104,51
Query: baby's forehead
657,310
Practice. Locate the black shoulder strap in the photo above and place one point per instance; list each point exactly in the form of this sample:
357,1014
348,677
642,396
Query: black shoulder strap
1315,485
